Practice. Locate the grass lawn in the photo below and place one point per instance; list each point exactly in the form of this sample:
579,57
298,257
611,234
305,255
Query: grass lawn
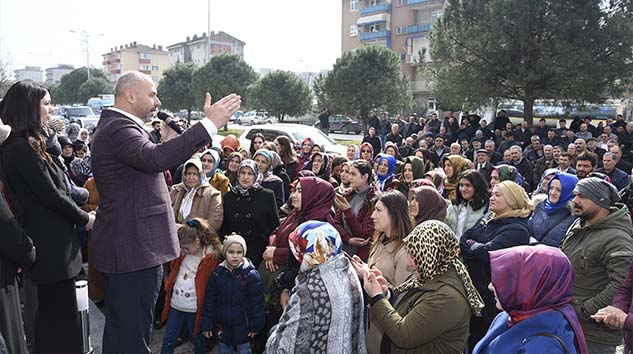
233,131
346,142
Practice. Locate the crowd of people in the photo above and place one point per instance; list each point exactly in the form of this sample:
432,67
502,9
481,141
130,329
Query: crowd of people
431,236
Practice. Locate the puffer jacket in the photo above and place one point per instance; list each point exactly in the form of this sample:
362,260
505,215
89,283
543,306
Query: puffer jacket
550,229
233,304
601,254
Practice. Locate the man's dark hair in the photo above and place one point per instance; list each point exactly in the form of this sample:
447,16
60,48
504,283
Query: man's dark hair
587,156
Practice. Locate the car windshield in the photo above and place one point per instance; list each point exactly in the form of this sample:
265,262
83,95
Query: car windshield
79,111
317,136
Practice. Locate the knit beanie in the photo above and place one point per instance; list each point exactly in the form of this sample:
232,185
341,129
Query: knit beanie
231,239
599,191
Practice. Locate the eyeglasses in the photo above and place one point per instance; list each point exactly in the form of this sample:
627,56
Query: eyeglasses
365,151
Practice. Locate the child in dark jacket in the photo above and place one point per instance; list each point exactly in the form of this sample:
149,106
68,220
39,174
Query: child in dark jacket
233,309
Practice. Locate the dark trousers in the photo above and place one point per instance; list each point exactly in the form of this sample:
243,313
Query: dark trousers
57,328
129,310
175,322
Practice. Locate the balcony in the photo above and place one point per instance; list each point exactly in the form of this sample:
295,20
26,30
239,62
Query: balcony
375,9
424,4
420,86
417,29
372,36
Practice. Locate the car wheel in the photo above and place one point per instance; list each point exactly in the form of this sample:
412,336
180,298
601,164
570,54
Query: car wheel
345,130
239,121
269,122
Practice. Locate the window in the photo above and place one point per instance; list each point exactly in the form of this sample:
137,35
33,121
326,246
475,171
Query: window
154,68
400,2
435,15
353,30
146,67
399,30
353,5
432,104
146,56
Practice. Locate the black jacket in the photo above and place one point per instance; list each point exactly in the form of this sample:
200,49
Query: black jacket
44,210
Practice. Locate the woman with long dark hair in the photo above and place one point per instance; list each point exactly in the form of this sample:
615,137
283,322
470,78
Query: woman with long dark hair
257,142
46,213
470,204
288,155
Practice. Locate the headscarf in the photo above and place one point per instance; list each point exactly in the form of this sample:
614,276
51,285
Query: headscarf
314,242
230,142
248,163
304,157
317,198
370,147
435,250
267,154
547,172
417,165
509,173
422,182
438,177
324,172
530,280
431,205
84,130
276,160
190,193
460,164
391,161
568,183
216,161
517,199
390,144
356,151
233,175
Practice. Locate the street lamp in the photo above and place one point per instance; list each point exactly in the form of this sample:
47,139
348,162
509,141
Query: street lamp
85,38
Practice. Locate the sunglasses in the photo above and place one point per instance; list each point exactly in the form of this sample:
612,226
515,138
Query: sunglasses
365,151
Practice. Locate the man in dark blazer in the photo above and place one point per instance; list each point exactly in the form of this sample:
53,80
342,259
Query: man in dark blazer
135,231
483,164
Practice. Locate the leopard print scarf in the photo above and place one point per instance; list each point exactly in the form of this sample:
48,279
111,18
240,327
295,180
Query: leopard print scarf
435,250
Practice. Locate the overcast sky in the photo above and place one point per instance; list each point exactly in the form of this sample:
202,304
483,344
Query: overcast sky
280,34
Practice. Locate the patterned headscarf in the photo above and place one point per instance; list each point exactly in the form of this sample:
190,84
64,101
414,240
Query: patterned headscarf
546,173
435,249
509,173
269,160
314,242
460,164
391,162
248,163
370,147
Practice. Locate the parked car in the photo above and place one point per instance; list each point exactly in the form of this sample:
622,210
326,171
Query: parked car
82,115
343,124
254,117
296,133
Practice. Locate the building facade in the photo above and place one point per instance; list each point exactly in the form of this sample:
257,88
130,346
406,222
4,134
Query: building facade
401,25
33,73
54,75
148,60
194,49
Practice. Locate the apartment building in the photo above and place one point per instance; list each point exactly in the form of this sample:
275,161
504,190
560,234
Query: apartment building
401,25
54,75
33,73
194,49
149,60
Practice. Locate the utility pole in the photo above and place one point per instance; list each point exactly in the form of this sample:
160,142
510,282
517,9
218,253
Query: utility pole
85,45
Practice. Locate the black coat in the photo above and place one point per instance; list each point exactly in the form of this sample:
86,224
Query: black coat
44,209
253,217
16,250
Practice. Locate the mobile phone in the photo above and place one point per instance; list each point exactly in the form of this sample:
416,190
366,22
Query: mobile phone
346,255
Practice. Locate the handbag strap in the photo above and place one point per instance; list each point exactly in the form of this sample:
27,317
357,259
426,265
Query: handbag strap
553,336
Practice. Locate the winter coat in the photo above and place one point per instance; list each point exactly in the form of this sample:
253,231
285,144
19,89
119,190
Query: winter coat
524,336
391,259
44,210
489,236
233,304
207,204
601,254
253,216
360,225
550,229
434,319
472,216
205,269
276,185
16,250
623,300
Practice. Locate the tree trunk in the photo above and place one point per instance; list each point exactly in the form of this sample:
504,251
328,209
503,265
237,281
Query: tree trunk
528,110
188,114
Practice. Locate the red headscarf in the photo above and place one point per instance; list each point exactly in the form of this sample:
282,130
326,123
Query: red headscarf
530,280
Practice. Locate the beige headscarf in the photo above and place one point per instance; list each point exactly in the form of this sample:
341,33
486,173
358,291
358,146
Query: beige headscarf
517,199
435,249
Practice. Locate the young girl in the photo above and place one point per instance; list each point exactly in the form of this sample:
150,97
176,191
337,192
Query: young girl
234,301
187,282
